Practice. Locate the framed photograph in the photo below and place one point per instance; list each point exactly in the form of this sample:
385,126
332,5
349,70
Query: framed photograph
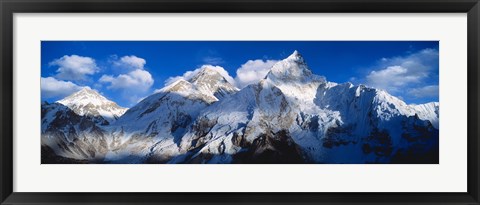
252,102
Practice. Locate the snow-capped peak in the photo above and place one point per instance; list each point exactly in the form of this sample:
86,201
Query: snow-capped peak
209,75
292,69
294,78
90,102
211,82
208,85
296,56
84,96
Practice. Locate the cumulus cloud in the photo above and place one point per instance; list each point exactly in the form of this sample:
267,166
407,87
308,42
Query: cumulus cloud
53,88
424,92
133,80
138,79
392,78
403,72
74,67
190,74
252,71
130,62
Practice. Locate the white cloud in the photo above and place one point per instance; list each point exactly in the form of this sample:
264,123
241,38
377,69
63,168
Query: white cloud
392,78
190,74
53,88
140,80
399,73
133,81
130,62
424,92
252,72
74,67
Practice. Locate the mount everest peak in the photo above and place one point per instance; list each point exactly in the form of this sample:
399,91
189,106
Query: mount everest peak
167,114
207,85
211,82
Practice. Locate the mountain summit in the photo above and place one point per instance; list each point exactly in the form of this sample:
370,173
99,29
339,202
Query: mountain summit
211,82
90,103
293,77
207,84
292,69
296,56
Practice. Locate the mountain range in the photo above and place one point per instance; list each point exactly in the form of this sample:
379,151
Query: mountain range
290,116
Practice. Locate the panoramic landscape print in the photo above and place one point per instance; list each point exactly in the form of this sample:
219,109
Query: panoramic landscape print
239,102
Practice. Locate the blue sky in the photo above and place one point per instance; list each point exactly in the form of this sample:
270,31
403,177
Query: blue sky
126,71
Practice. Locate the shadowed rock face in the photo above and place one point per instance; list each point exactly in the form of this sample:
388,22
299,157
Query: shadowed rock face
291,116
50,157
70,135
271,148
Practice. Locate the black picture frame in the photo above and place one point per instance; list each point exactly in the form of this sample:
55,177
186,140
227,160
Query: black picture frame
9,7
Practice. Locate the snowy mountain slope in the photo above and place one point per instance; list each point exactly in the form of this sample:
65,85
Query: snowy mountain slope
162,118
91,103
226,127
428,111
70,135
157,121
178,101
374,120
294,111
